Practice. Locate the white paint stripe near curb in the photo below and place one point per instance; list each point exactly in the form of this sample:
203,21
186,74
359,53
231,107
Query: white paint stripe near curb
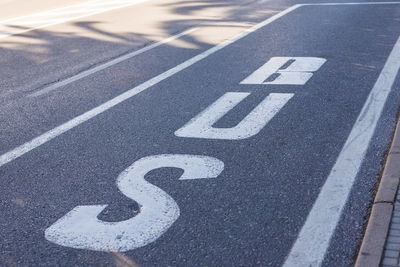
47,136
41,20
107,64
314,238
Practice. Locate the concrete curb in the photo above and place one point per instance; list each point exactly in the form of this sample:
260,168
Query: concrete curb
373,244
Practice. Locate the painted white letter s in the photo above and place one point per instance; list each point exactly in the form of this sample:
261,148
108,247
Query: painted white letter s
81,229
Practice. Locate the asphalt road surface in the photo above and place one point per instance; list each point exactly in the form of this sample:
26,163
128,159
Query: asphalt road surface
193,133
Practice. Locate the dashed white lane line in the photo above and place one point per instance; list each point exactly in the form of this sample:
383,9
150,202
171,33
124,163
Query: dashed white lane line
40,20
47,136
313,241
107,64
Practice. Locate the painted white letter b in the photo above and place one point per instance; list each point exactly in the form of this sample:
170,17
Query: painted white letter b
298,72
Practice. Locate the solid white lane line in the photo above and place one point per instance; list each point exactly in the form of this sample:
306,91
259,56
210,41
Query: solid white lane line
106,65
314,238
40,20
47,136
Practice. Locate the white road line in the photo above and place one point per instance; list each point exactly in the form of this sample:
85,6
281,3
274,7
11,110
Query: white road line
107,64
40,20
47,136
314,238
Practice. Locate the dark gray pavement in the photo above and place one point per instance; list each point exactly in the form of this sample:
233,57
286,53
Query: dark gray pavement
252,213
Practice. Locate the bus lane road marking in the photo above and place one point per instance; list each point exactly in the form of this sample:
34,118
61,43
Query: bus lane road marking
314,238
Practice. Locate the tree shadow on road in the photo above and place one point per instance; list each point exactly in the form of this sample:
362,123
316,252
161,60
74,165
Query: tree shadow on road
40,57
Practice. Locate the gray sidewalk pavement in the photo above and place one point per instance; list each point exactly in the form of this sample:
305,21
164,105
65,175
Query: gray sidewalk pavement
391,255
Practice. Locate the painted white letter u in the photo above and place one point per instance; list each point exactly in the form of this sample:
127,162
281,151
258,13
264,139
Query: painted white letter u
201,125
